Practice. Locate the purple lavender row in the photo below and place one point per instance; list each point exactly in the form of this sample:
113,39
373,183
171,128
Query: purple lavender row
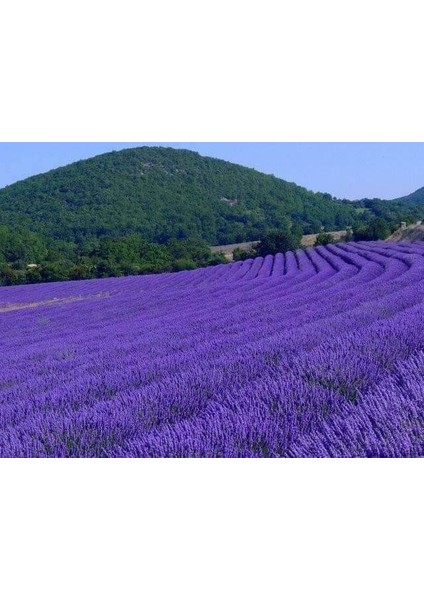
257,358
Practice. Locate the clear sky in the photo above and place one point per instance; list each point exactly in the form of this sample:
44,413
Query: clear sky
345,170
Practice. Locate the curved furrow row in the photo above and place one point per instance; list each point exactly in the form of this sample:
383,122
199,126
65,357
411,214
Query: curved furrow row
266,357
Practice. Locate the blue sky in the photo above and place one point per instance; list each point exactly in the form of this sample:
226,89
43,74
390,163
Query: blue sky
346,170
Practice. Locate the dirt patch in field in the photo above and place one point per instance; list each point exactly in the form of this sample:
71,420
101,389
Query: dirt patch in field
21,306
307,240
413,233
228,250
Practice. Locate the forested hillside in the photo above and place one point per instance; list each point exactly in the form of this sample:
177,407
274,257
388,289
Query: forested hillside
156,209
413,199
162,193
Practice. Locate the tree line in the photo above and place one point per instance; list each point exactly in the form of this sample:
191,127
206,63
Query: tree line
290,238
28,258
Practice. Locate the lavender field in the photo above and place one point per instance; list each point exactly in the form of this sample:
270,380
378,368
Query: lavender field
318,353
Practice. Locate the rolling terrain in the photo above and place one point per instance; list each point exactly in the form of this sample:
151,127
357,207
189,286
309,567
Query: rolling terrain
161,193
413,199
317,353
155,210
413,233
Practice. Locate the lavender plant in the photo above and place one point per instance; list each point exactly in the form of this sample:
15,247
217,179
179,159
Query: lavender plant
316,353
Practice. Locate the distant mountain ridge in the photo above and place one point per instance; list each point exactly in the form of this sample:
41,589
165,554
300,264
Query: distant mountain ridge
413,199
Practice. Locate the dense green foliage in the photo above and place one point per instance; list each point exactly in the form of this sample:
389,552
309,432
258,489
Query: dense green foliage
324,238
377,229
244,254
147,209
281,240
392,211
413,199
161,194
42,260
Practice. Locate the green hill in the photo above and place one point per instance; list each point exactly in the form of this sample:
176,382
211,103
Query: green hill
414,199
162,193
154,209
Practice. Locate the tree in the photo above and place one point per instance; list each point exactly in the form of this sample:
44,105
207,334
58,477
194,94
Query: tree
324,238
377,229
54,271
279,241
242,254
9,276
